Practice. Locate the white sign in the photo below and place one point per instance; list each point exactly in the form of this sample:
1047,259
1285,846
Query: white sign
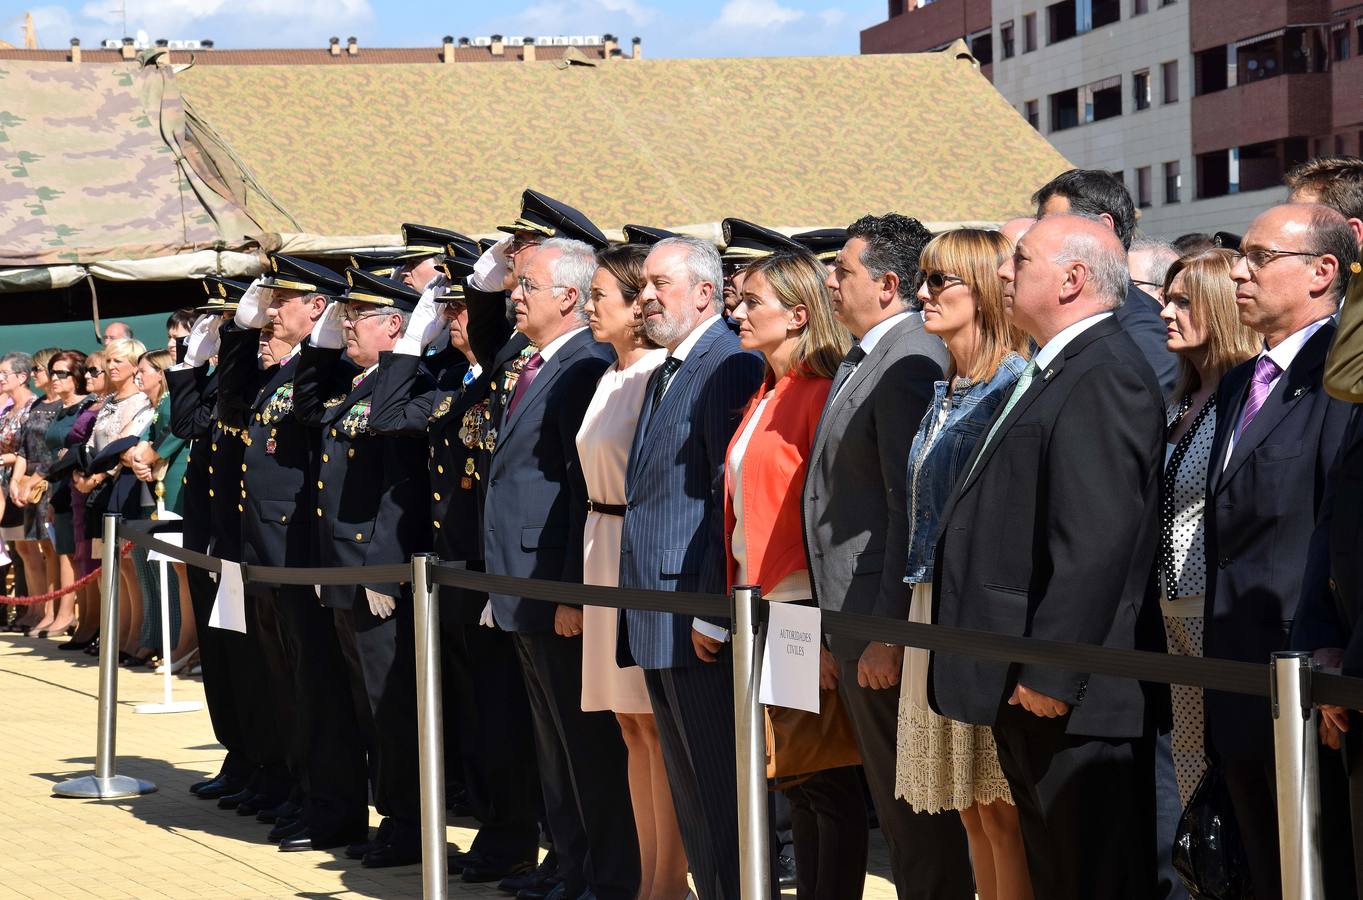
174,538
229,607
790,670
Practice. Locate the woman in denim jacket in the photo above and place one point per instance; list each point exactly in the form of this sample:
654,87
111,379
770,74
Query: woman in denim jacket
945,765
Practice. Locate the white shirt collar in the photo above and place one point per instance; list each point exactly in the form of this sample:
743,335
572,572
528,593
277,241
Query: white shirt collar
684,348
1047,354
548,350
1290,346
880,329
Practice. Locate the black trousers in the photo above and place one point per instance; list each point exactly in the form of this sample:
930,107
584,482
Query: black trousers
219,651
278,656
828,818
331,750
1087,808
583,768
486,706
929,854
1253,793
256,681
385,654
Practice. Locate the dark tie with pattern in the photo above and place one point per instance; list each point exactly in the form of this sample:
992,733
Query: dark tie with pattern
665,373
846,368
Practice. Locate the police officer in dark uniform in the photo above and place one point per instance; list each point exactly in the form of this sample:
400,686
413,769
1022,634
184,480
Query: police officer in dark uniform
278,476
230,662
371,509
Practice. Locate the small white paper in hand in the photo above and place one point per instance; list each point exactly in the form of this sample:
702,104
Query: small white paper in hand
229,607
790,668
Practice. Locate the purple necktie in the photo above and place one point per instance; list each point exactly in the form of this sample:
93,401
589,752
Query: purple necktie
1265,370
523,382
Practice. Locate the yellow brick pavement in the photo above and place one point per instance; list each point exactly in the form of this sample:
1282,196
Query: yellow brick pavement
169,843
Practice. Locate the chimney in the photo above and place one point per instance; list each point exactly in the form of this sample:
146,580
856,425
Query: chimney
465,42
447,49
638,51
206,44
335,46
352,46
162,42
609,42
528,49
498,48
75,50
128,51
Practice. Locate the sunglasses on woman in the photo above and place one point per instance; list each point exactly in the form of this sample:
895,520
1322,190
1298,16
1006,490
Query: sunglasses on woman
91,370
937,281
60,373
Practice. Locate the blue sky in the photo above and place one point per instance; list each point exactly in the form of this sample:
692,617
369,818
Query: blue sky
669,28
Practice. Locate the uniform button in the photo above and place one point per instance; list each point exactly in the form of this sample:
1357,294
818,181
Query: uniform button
210,492
320,485
349,453
435,522
436,496
210,470
319,512
358,536
243,467
213,447
440,469
240,508
333,432
326,458
283,518
447,442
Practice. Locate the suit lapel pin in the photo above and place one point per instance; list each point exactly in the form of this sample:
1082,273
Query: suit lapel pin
1298,392
1047,376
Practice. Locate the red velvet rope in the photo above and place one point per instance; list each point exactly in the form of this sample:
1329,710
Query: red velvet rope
60,592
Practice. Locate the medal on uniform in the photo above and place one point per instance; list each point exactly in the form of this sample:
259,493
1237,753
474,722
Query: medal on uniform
469,468
443,408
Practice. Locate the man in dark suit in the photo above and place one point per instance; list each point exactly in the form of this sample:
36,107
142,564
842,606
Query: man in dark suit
1052,534
278,476
1277,433
674,541
855,521
370,510
533,522
1101,195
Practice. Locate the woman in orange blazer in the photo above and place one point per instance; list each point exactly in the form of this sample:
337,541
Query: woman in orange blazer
786,314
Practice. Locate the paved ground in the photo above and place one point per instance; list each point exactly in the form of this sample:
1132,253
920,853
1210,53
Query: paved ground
168,843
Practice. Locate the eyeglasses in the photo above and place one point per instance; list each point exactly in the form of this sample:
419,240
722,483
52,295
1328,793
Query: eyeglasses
938,281
353,315
529,287
60,373
1257,259
91,370
36,370
1150,284
6,376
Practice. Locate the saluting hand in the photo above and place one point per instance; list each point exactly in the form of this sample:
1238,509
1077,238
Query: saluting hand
1038,704
328,333
427,319
253,307
203,341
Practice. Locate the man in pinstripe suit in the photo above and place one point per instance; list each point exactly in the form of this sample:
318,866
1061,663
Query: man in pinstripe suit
674,540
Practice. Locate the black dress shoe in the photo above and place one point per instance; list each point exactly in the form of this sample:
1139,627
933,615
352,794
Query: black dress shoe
217,789
389,855
557,891
480,871
306,840
286,829
279,812
545,875
357,851
200,785
785,871
257,804
232,801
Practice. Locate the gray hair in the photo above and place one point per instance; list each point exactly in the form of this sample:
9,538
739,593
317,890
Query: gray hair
574,268
1162,256
19,363
1330,235
702,263
1106,265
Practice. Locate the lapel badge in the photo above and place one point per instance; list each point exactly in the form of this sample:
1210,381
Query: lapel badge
334,401
1298,392
443,408
1047,376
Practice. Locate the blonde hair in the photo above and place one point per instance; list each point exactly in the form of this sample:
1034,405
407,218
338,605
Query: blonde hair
974,256
797,279
160,360
1211,305
129,350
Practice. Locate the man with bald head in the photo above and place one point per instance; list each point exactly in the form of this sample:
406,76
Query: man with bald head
1277,435
1014,229
1052,534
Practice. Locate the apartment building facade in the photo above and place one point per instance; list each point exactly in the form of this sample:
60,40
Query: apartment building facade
1200,105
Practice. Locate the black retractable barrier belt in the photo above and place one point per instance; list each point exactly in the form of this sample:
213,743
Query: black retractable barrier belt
1144,665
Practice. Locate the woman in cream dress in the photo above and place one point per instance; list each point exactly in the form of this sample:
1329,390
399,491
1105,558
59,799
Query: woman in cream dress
603,444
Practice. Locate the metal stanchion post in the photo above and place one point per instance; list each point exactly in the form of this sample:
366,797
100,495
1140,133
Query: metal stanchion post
104,784
754,864
430,732
1298,776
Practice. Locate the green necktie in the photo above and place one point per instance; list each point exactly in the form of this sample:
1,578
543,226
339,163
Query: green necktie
1024,381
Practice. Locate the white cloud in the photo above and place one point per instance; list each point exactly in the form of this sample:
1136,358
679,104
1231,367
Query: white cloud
577,16
832,17
757,14
282,18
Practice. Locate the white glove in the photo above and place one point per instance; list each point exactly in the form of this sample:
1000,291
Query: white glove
427,320
327,332
204,340
380,605
254,305
486,618
489,272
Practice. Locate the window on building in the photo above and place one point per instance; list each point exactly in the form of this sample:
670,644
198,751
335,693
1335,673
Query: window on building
896,8
982,46
1068,18
1006,39
1140,89
1167,2
1032,110
1064,109
1358,33
1061,21
1339,43
1173,182
1143,187
1169,75
1252,167
1102,99
1029,32
1339,145
1140,7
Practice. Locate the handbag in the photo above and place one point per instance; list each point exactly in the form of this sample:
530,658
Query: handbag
801,743
1208,853
37,489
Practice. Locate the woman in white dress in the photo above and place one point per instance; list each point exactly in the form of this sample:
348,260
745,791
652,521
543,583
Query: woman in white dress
603,444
